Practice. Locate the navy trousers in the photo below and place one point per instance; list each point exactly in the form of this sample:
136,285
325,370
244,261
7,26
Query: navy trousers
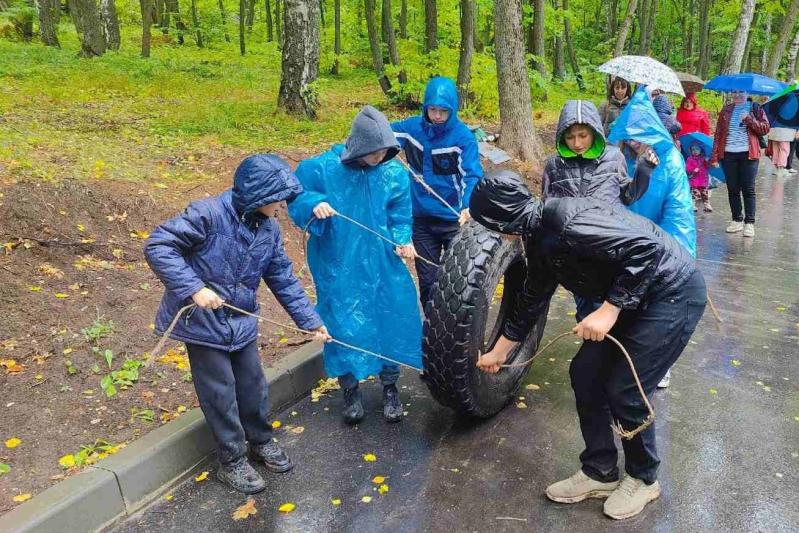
232,390
605,390
431,236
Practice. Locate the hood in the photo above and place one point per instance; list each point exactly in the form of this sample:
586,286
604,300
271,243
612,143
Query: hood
701,149
502,203
580,112
640,122
441,92
370,132
689,97
662,105
263,179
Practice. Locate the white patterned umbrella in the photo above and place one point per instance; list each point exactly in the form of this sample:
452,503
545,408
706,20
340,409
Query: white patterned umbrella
646,71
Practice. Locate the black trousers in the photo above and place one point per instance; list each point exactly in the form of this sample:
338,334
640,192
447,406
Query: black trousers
431,236
232,390
605,389
741,173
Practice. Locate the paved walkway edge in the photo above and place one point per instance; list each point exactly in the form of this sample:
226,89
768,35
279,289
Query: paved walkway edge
122,484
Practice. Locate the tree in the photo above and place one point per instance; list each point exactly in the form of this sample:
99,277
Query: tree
278,24
147,8
337,34
87,22
786,32
173,9
403,19
391,39
300,58
570,46
621,39
196,21
47,23
792,53
539,62
223,14
242,21
468,8
515,107
704,37
766,42
250,5
430,25
733,63
374,46
268,12
558,53
108,15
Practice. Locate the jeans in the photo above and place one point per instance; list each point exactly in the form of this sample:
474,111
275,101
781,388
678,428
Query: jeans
388,376
605,389
232,390
740,172
431,236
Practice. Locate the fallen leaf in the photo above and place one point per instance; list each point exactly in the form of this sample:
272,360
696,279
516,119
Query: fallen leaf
774,330
67,461
297,430
169,497
61,295
767,388
736,362
160,186
287,507
366,499
49,270
781,308
22,497
370,457
181,409
778,475
67,351
276,424
532,386
202,477
377,480
335,501
11,366
34,288
4,469
81,227
521,405
13,442
382,489
139,234
714,391
246,510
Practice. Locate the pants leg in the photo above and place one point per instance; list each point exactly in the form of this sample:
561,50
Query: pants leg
704,194
215,384
251,394
748,175
389,374
430,237
347,381
780,157
732,170
791,153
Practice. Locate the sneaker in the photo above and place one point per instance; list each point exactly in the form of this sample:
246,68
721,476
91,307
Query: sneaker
792,171
272,456
708,207
666,381
630,498
749,230
579,487
735,227
241,476
353,405
392,406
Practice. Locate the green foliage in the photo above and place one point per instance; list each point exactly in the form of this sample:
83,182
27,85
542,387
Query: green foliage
99,329
18,17
4,469
123,378
144,415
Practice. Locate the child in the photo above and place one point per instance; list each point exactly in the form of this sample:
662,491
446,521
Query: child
442,149
665,110
217,251
696,166
619,92
365,292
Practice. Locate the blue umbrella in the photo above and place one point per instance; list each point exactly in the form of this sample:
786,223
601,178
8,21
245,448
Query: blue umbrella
783,109
747,81
706,142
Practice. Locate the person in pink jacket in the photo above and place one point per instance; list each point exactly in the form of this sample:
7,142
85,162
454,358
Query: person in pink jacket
696,167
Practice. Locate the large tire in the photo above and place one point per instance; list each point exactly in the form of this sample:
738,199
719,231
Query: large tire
460,322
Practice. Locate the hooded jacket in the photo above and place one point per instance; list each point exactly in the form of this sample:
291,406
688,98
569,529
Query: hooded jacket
223,244
591,248
693,120
667,202
757,125
600,173
370,132
665,110
445,155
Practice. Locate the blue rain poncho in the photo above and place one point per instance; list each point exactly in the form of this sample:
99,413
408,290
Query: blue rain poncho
365,294
667,202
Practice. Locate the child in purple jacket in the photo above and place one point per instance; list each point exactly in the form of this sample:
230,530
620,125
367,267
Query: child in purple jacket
696,166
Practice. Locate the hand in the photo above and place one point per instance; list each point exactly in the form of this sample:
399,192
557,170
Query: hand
464,217
595,326
650,157
323,211
715,165
320,334
406,251
205,298
492,361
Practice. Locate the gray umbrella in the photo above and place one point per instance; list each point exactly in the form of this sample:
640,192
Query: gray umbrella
691,83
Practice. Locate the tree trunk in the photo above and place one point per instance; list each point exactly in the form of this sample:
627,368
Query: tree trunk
539,63
643,13
786,31
47,25
173,8
430,25
621,39
384,14
704,37
766,43
792,52
278,24
650,25
750,39
196,21
518,136
613,13
467,50
558,53
300,65
391,39
147,7
268,13
567,31
735,56
242,24
108,16
374,45
403,20
223,14
87,21
337,34
250,14
322,12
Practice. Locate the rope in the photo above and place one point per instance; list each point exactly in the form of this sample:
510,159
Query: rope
158,347
616,426
420,180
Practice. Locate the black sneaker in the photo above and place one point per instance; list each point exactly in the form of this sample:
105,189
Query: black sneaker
272,456
241,476
353,405
392,406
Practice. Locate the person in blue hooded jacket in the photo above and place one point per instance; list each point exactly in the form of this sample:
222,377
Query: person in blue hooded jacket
443,151
215,252
365,293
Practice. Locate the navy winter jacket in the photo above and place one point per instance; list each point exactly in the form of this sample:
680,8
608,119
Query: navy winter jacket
223,244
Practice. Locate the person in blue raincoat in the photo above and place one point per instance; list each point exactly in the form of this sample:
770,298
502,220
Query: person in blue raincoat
365,293
668,201
441,149
216,252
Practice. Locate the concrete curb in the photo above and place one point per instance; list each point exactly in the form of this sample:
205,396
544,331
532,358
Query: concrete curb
122,484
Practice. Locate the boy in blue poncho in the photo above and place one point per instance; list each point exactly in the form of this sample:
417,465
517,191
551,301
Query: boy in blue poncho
218,251
441,149
365,293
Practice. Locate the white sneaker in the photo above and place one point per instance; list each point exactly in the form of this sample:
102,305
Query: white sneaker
735,227
749,230
579,487
792,171
630,498
666,381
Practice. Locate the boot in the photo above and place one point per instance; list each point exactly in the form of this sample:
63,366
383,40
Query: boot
392,406
708,207
241,476
272,456
353,405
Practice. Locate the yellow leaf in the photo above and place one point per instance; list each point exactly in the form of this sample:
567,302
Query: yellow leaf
736,362
139,234
287,507
521,405
160,186
81,227
370,457
61,295
382,489
38,377
22,497
169,497
202,477
714,391
34,288
297,430
366,499
67,351
74,287
781,308
13,442
67,461
283,340
243,511
276,424
532,386
118,253
181,409
336,502
377,480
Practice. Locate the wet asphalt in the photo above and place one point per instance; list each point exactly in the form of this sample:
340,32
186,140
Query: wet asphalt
728,427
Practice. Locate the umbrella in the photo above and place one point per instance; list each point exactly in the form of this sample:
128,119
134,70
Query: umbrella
706,142
783,109
690,83
747,81
644,70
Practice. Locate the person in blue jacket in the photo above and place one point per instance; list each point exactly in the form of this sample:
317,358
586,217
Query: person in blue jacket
365,293
443,151
215,252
